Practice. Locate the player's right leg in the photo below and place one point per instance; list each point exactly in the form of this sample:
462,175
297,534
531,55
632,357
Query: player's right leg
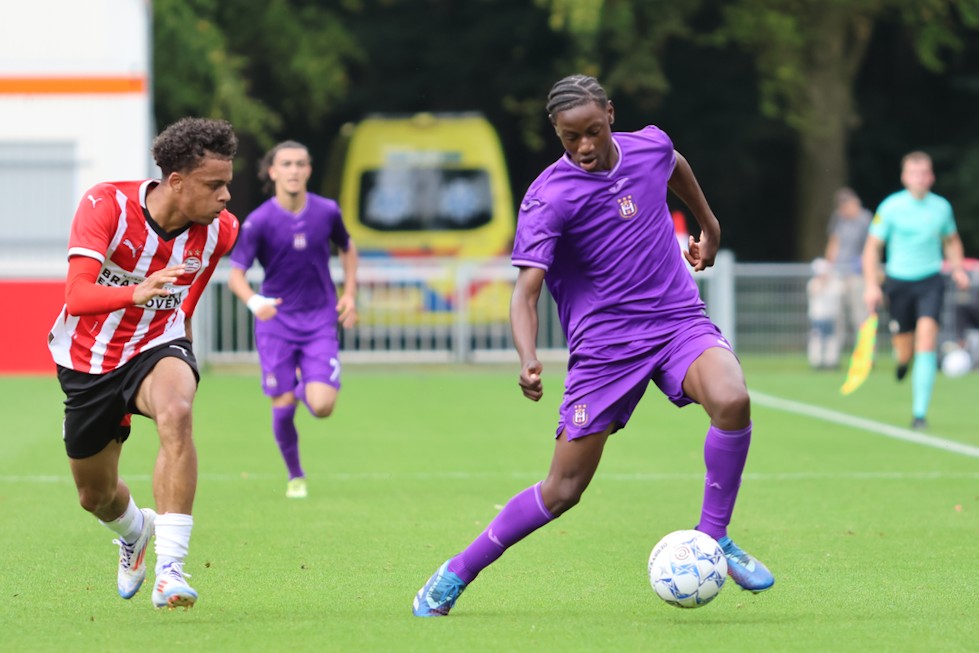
279,359
96,425
102,493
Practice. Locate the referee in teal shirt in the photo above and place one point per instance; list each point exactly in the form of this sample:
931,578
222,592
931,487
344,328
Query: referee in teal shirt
917,227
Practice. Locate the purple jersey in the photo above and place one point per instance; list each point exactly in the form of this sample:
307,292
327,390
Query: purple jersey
294,252
607,242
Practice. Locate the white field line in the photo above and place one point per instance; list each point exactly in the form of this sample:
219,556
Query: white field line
532,476
759,398
886,430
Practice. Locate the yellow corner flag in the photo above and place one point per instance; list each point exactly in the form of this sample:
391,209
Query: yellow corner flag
863,355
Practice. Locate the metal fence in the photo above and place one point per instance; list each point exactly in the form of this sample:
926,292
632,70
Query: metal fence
443,310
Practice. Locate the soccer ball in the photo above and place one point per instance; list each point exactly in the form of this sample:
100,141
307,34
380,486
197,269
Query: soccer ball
687,569
956,363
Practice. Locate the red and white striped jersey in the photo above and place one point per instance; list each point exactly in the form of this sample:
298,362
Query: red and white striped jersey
111,227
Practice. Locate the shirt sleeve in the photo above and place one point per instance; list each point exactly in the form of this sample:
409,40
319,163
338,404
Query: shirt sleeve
339,234
245,246
879,226
95,223
538,230
948,224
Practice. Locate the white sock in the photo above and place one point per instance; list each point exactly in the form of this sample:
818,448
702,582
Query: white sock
172,538
128,525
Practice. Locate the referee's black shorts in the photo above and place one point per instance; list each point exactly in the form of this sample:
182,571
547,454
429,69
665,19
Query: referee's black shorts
98,407
909,300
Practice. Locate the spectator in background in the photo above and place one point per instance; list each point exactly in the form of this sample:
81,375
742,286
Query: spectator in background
825,335
847,233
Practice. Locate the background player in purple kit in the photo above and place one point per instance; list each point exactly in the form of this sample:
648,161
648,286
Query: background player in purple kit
596,228
297,312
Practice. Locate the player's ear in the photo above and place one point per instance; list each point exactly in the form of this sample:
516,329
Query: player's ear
175,181
611,112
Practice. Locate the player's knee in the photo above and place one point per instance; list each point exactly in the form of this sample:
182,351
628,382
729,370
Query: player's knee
95,499
562,495
322,409
174,414
732,408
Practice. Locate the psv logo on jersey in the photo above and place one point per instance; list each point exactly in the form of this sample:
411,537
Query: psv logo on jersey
627,208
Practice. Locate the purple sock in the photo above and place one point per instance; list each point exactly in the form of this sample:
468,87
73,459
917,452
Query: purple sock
523,515
725,453
287,438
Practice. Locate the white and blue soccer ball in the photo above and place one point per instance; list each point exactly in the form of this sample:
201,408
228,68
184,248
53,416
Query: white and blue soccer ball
956,363
687,568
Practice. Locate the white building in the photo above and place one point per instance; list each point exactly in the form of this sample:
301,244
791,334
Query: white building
75,109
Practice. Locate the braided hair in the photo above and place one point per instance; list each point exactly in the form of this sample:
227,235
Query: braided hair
574,91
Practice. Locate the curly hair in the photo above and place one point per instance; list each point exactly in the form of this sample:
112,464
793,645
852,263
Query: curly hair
268,186
182,146
574,91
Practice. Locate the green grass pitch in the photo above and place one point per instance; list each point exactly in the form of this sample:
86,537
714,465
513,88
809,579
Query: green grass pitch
873,539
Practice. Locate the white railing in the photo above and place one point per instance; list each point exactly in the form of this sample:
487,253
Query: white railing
425,310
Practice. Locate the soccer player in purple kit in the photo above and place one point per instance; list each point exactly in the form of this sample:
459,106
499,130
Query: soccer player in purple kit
596,228
297,311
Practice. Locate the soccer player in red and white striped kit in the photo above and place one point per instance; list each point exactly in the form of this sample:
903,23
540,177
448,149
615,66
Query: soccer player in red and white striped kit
139,256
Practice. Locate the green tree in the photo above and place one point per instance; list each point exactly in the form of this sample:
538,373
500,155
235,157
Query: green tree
261,64
807,55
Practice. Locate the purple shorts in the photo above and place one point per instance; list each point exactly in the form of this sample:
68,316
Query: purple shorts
316,359
605,382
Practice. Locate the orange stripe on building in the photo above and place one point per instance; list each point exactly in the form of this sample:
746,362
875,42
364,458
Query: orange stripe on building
72,85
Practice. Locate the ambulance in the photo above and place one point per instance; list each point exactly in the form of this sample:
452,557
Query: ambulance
427,190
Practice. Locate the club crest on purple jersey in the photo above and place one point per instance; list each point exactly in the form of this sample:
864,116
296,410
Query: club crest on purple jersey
627,208
299,241
580,417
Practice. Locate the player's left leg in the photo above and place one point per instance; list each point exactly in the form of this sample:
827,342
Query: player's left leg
715,380
320,371
924,371
572,468
166,395
930,293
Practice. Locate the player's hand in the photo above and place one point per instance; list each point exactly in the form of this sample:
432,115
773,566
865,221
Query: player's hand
701,252
961,279
530,382
262,307
155,285
873,297
347,311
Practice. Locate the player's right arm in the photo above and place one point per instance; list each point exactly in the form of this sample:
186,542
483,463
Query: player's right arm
523,323
85,296
873,296
264,308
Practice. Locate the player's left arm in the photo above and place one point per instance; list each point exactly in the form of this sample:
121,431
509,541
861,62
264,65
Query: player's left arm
347,302
955,256
703,250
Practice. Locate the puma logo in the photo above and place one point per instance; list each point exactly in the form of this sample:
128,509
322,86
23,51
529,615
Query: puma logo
128,243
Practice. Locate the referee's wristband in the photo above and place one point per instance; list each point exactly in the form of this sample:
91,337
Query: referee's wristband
257,301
